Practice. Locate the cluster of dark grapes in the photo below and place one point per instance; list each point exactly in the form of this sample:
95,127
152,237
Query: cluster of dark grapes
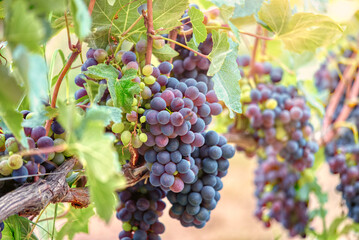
193,205
19,167
277,118
139,210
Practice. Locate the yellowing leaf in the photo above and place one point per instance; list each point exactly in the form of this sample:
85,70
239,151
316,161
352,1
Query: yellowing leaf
219,52
275,14
307,31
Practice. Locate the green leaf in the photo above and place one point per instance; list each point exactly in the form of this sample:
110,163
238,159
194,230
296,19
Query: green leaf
81,18
33,70
199,29
116,19
124,92
45,7
332,230
17,228
115,114
276,15
165,53
307,31
77,222
102,71
221,48
23,27
319,158
167,13
247,8
226,81
2,10
94,147
92,89
101,91
10,96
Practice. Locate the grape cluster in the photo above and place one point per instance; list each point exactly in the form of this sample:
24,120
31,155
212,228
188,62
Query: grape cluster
139,210
193,205
15,165
277,118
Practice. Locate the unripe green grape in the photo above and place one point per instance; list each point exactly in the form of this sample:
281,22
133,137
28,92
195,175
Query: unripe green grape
158,43
51,156
126,137
146,93
11,145
143,119
100,55
281,134
142,85
109,102
134,108
147,70
134,102
59,159
68,153
118,127
5,170
136,142
271,103
2,142
126,45
118,56
175,173
133,123
111,48
58,142
134,228
126,226
30,115
62,136
139,125
140,110
143,137
150,80
147,106
15,161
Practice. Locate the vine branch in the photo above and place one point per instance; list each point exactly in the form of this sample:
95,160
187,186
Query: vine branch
254,53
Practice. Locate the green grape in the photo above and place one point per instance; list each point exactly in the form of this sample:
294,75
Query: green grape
143,119
30,115
15,161
147,70
100,55
119,54
147,106
50,156
281,134
158,43
59,159
126,226
150,80
118,127
134,102
136,142
58,142
175,173
2,141
271,103
134,228
142,85
109,102
126,137
140,110
143,137
62,136
11,145
126,45
5,170
68,153
134,108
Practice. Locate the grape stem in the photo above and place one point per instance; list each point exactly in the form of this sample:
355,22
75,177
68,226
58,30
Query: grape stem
334,101
132,25
254,53
149,24
182,45
173,35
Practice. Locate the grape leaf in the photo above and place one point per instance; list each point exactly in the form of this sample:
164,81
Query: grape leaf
81,18
10,96
17,227
276,15
307,31
166,13
77,222
44,7
88,140
199,29
92,89
115,19
219,52
124,90
2,10
165,53
23,27
247,8
226,81
102,71
33,70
